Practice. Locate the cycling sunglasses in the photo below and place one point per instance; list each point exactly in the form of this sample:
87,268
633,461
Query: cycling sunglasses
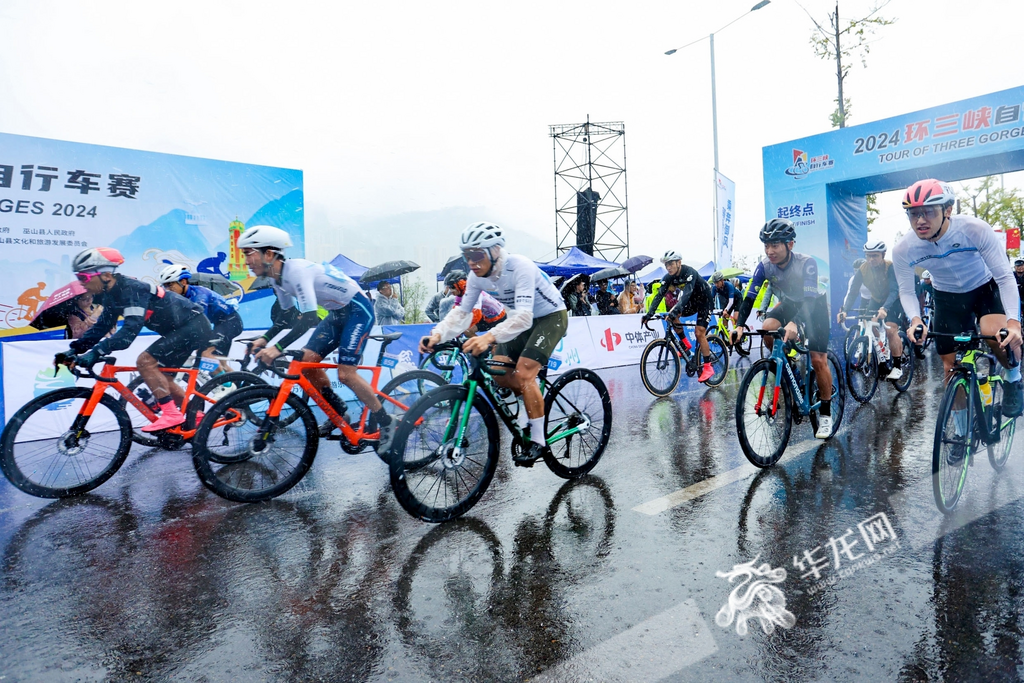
924,211
474,255
85,277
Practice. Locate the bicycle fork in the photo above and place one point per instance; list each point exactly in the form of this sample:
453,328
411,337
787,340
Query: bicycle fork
461,420
775,395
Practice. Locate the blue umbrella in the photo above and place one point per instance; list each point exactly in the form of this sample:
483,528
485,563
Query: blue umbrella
635,263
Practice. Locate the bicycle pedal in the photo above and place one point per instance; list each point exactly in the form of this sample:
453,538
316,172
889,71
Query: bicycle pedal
523,463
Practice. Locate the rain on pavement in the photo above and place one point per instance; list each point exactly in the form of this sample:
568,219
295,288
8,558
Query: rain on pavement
612,577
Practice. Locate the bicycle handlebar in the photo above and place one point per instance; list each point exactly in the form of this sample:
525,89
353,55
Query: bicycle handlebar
488,365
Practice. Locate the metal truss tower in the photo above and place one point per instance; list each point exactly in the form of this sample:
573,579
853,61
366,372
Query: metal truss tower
590,188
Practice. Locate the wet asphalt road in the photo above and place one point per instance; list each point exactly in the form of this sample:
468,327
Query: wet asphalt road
609,578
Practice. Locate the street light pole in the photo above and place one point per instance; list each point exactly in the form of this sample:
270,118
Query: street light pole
714,111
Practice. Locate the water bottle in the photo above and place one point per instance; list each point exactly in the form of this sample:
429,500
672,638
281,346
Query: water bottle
147,398
986,392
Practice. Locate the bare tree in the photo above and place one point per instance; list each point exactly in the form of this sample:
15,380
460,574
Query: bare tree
840,41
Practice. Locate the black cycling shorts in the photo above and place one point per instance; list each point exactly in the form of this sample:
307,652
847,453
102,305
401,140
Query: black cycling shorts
699,305
956,313
345,329
174,349
892,315
224,332
816,329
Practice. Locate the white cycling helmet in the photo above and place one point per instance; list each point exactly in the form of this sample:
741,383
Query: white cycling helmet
926,275
875,247
97,260
481,235
264,237
173,273
671,256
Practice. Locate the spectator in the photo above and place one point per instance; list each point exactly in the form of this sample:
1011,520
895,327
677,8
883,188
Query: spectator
574,292
83,316
628,303
606,301
387,309
433,306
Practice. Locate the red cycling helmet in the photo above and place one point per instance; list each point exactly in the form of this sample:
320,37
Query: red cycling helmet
928,192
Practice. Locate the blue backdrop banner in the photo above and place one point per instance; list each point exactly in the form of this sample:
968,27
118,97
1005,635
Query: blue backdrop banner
57,198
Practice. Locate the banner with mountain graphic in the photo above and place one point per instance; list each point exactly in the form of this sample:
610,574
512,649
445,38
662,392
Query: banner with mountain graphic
57,198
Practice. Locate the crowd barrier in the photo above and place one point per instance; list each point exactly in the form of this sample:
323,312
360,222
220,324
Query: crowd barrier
593,342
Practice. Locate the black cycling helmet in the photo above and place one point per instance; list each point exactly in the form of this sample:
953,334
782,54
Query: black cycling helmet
451,278
1019,262
778,230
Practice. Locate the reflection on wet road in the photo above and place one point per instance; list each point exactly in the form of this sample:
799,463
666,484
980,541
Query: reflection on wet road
617,576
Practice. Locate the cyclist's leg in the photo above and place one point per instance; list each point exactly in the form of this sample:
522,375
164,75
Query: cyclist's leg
325,338
224,333
541,340
171,351
817,331
775,319
355,321
157,382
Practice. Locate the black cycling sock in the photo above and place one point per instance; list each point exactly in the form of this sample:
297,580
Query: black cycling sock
382,417
825,408
708,359
165,400
897,361
335,400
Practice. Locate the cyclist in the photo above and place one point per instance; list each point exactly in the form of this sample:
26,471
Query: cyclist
971,276
1018,274
221,312
488,311
794,279
181,323
536,321
305,285
727,297
878,276
686,293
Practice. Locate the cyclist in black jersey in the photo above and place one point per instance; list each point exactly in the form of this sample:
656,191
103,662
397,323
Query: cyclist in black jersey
685,293
794,279
184,327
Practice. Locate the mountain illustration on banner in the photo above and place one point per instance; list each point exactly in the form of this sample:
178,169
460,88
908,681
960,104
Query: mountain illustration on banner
172,232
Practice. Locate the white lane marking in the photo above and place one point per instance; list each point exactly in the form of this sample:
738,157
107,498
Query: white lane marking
702,488
650,651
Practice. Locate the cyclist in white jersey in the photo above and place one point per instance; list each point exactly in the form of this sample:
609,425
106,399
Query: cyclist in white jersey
304,285
536,321
971,276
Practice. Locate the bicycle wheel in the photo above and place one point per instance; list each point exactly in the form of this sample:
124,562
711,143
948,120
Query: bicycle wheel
659,367
906,364
407,389
719,359
862,369
137,419
954,443
763,436
999,452
248,461
448,358
838,395
433,477
49,451
217,389
851,335
745,345
577,400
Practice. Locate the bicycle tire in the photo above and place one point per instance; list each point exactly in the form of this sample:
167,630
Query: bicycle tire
999,452
446,357
906,365
666,361
719,360
851,335
862,369
237,378
242,474
838,404
415,476
407,388
949,478
568,404
745,408
24,479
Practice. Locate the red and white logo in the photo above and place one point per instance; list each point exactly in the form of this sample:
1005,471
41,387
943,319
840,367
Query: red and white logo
611,339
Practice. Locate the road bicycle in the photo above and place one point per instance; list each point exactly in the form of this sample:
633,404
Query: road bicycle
71,440
662,359
969,415
446,448
260,441
772,396
451,364
724,327
869,356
